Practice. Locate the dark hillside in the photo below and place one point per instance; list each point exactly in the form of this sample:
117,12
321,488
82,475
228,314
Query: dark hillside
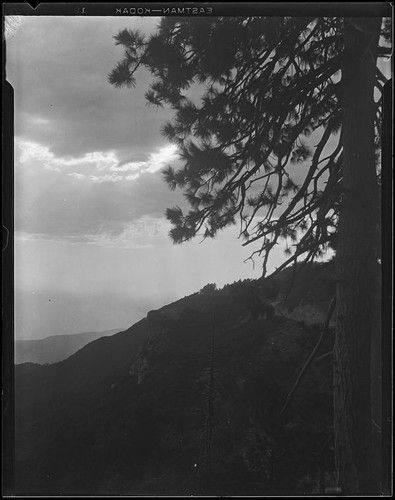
52,393
307,296
187,401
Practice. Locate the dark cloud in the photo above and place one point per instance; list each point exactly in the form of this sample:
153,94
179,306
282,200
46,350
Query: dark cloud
59,67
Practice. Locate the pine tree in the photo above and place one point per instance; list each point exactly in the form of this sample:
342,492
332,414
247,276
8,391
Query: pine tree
283,140
357,261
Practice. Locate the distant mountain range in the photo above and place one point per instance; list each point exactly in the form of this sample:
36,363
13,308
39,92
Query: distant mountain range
188,401
55,348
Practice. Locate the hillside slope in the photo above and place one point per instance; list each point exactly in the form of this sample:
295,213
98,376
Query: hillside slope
187,401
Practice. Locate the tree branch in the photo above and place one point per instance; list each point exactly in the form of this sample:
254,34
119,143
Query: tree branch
311,357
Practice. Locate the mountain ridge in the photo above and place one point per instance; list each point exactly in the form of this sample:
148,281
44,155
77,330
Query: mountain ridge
130,413
55,348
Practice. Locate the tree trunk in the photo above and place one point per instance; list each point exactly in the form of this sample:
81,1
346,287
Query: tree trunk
356,263
209,415
386,338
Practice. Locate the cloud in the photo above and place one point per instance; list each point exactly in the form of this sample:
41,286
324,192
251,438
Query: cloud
92,197
107,163
58,67
155,162
38,120
29,151
32,151
132,166
76,175
158,160
88,156
146,232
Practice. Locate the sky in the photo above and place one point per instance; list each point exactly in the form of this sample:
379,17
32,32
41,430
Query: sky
92,250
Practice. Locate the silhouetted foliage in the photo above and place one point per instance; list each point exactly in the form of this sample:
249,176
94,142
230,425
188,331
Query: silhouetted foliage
264,85
278,125
209,288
